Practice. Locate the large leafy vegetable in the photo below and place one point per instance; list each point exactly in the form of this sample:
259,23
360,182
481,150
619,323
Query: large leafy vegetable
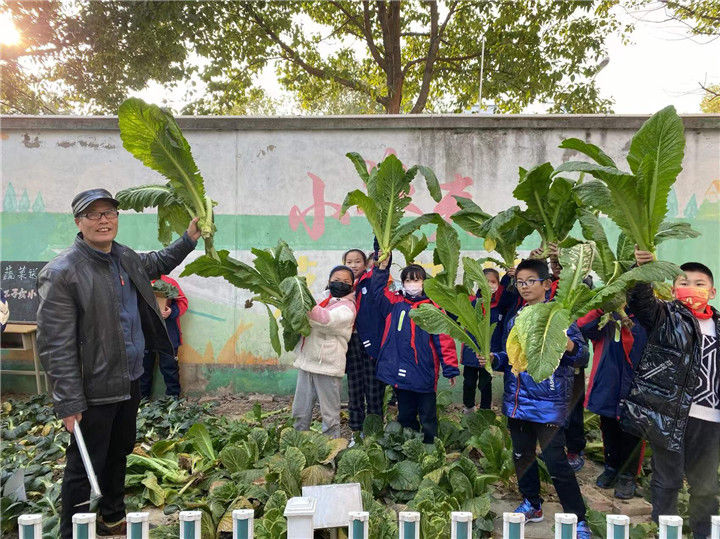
538,339
503,233
388,194
275,282
636,201
457,316
152,136
551,207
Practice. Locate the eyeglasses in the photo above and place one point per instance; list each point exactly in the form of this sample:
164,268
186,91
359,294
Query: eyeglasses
529,282
97,215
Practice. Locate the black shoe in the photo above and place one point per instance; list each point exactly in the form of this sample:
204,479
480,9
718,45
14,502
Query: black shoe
110,528
608,478
625,487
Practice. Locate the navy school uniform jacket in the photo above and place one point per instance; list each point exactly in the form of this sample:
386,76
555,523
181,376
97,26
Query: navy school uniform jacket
613,362
410,358
544,402
368,323
503,302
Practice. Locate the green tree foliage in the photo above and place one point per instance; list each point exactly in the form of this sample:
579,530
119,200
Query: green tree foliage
342,56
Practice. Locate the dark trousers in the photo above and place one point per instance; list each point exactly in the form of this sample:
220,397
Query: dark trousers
168,368
109,433
477,377
365,392
413,405
622,449
525,437
699,463
575,427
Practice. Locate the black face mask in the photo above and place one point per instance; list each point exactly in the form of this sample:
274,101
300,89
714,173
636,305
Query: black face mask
338,289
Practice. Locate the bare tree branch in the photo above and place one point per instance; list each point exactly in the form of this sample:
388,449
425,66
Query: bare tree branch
294,57
713,93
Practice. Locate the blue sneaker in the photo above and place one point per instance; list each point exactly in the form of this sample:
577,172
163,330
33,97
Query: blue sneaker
583,530
576,461
531,514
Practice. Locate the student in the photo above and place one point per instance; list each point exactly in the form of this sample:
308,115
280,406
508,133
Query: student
320,358
575,440
167,363
614,359
410,358
536,412
674,399
475,376
365,392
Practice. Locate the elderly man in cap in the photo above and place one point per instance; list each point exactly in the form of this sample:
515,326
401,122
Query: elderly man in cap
97,316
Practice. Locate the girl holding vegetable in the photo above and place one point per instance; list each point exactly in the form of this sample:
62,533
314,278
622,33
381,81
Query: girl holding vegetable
321,356
410,358
365,392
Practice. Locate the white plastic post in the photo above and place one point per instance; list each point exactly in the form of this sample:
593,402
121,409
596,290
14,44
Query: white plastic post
409,525
714,533
243,523
300,513
138,525
359,526
513,526
461,525
190,524
83,525
618,527
30,526
670,527
565,526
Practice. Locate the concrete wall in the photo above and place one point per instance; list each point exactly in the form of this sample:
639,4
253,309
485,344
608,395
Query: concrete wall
286,178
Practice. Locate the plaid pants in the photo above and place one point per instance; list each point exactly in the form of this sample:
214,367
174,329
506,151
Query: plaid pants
365,392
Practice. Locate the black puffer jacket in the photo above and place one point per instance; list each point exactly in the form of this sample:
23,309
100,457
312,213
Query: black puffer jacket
80,337
661,393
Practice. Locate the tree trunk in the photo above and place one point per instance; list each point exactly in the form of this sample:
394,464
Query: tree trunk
389,15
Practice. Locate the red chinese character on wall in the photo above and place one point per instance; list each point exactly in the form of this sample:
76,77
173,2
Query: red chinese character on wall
448,205
317,211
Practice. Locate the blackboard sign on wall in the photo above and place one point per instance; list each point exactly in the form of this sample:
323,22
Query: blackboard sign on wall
19,282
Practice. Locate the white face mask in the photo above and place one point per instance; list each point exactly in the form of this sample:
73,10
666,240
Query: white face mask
413,289
493,288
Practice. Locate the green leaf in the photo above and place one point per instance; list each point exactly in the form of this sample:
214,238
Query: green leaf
541,329
233,458
655,157
592,151
360,165
153,491
675,231
470,217
432,182
407,475
592,229
274,332
434,321
505,232
412,246
461,485
202,442
354,467
296,303
447,251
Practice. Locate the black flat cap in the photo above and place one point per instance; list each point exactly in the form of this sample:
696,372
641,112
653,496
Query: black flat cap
82,200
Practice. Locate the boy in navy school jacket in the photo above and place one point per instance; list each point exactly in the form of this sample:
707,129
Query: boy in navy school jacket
410,358
475,376
536,412
614,360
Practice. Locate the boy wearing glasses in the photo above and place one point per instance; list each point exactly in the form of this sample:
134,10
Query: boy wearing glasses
536,412
97,314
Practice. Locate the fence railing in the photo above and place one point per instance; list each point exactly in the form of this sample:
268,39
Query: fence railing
299,513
